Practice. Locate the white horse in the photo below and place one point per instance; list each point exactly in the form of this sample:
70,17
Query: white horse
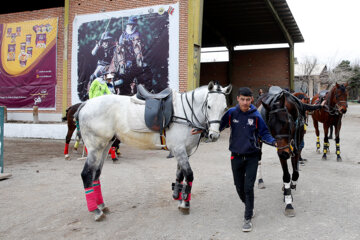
107,116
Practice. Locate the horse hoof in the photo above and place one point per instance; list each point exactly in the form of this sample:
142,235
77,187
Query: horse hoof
261,184
289,211
184,207
324,158
103,208
339,159
67,157
317,150
98,215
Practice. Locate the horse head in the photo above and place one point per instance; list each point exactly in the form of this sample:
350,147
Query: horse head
215,106
279,122
338,98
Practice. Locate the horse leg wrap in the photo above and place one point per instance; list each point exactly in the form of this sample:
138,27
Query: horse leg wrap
76,145
186,192
318,143
90,199
326,147
113,154
287,193
338,149
177,187
287,196
66,150
97,191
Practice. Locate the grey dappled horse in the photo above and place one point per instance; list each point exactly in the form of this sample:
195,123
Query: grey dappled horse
104,117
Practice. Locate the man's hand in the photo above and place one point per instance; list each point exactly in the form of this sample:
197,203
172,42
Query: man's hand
323,103
195,131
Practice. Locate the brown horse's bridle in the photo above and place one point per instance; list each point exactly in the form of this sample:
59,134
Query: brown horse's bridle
291,141
335,110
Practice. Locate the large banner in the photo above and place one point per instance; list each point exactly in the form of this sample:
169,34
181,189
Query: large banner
28,63
139,46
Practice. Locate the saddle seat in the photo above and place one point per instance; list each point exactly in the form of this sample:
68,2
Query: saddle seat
322,96
274,93
144,94
158,108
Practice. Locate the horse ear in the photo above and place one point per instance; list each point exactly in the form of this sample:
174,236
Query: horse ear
282,100
266,106
228,89
211,85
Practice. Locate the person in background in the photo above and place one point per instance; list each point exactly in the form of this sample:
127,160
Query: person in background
100,87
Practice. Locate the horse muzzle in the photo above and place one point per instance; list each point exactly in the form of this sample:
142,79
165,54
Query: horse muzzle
213,136
283,155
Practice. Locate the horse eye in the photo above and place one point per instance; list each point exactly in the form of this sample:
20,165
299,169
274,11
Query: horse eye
209,107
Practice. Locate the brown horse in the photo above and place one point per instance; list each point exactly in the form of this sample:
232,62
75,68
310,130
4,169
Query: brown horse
284,115
69,118
71,124
336,106
304,98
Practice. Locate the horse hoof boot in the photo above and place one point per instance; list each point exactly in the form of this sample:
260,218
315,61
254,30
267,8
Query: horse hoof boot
103,208
98,215
67,157
184,207
289,211
261,184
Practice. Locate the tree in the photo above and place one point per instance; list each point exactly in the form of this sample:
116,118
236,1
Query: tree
340,74
354,82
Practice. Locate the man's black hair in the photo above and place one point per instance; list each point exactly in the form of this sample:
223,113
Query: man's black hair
245,91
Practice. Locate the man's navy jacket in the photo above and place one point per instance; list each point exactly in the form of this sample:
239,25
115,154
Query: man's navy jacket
246,128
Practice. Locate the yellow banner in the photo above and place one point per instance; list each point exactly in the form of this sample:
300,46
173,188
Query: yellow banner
24,43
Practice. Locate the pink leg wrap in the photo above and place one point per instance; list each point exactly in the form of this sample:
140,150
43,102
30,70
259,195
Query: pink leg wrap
97,191
179,198
90,199
66,150
189,195
113,154
86,150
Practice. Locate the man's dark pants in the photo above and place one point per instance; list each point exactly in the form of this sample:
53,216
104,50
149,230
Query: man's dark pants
244,168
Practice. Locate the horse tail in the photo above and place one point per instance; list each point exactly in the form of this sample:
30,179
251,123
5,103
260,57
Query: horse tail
66,114
76,115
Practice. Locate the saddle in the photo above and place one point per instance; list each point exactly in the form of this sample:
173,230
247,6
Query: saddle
274,93
322,96
158,108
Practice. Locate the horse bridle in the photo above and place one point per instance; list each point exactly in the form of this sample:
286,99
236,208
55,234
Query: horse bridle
334,110
288,136
197,125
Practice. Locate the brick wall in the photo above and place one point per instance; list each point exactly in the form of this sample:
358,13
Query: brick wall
213,71
78,7
261,68
42,14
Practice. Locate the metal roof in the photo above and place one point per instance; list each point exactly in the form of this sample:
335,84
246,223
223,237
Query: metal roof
248,22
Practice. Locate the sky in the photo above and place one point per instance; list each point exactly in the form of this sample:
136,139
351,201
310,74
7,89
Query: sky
331,30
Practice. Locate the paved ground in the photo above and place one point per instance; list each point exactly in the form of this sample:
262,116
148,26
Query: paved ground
44,199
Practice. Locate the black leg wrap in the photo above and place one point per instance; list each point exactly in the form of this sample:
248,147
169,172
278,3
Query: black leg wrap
185,192
86,176
176,187
287,191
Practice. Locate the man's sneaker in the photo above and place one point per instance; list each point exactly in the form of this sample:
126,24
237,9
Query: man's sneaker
247,227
